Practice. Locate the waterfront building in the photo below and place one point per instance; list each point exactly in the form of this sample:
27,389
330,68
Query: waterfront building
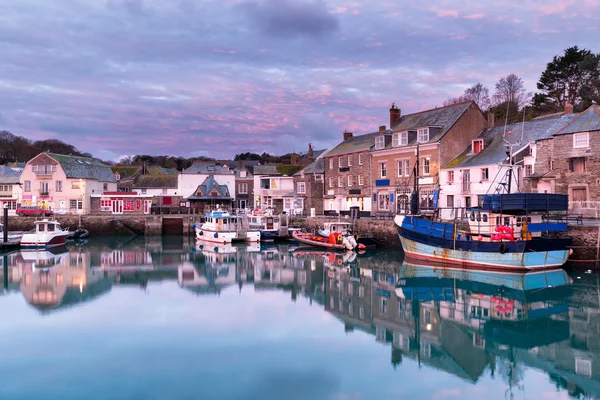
434,137
347,174
120,203
568,162
210,195
482,166
274,190
64,183
244,188
191,178
10,190
161,184
310,185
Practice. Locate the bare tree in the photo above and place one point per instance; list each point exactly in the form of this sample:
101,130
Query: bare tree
477,93
510,89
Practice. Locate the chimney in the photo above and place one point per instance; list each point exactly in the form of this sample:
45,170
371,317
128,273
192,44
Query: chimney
310,153
394,115
382,128
239,163
347,135
490,119
568,108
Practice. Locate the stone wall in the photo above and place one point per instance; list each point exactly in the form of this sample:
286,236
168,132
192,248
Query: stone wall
383,231
585,241
96,225
313,198
355,170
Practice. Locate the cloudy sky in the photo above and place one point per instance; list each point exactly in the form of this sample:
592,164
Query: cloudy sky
219,77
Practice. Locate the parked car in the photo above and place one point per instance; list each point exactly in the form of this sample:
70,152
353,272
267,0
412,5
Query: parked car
32,210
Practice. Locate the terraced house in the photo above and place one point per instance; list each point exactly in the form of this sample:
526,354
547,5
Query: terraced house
433,137
10,190
64,183
348,175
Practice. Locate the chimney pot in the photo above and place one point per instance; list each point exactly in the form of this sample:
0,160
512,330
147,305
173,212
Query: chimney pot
490,119
394,115
347,135
382,128
568,108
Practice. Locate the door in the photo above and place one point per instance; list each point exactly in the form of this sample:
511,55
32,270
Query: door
269,223
147,206
243,204
117,206
62,206
579,194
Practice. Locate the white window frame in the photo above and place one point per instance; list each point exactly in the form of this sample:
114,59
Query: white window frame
361,180
340,181
379,142
59,186
395,140
350,180
242,188
331,182
486,172
528,170
361,161
404,138
425,166
383,170
450,176
350,160
301,187
423,135
473,145
399,168
407,167
331,163
27,186
581,140
340,162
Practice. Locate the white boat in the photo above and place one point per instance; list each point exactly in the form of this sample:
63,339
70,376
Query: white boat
335,227
12,236
42,259
222,227
270,226
47,233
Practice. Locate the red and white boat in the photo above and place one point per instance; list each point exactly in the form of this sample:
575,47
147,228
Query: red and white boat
45,234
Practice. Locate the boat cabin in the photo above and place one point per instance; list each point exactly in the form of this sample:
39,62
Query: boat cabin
45,226
337,227
222,221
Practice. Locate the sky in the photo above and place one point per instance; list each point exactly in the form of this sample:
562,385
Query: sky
220,77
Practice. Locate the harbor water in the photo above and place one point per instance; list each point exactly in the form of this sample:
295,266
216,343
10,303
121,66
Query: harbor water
166,318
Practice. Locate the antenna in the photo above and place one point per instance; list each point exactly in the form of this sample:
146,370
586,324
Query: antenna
523,126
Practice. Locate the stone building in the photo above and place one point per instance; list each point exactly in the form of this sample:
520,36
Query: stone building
434,137
244,188
569,161
309,184
348,175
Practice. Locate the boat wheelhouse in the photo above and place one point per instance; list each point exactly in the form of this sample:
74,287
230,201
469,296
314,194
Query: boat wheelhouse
222,227
347,229
271,227
47,233
508,232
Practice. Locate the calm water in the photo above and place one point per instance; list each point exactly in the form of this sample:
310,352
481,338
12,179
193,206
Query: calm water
163,319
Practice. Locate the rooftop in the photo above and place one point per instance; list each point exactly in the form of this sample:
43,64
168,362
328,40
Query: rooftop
354,144
8,175
208,168
155,181
316,167
76,167
587,121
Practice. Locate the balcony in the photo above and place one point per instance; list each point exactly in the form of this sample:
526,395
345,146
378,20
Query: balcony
465,188
43,192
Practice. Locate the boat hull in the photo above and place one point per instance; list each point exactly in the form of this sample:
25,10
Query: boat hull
305,239
226,237
33,240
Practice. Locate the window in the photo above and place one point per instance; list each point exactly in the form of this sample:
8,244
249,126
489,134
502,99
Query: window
577,164
383,170
361,180
75,185
76,204
331,163
129,205
395,140
361,161
528,170
583,367
105,205
330,182
243,188
477,146
403,138
423,135
450,176
406,167
44,169
27,186
340,162
318,178
450,201
350,180
384,201
551,165
243,174
59,186
44,187
400,168
350,160
425,164
384,305
379,142
143,191
340,181
301,187
485,174
105,186
581,140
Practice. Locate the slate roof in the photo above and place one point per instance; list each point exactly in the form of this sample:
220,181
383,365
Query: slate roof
494,150
354,144
155,181
126,172
204,189
208,168
316,167
238,175
76,167
266,170
8,176
587,121
439,120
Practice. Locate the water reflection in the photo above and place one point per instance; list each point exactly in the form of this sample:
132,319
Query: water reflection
467,324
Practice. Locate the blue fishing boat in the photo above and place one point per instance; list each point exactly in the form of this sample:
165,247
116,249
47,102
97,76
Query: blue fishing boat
508,232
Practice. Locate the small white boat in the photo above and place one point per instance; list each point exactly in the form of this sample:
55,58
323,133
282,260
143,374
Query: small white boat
222,227
12,236
271,226
47,233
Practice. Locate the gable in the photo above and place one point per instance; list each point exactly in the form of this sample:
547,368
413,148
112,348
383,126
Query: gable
42,159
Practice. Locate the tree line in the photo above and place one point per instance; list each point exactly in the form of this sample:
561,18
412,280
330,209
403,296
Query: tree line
573,77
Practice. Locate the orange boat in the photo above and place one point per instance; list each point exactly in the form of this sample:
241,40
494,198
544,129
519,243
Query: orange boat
335,241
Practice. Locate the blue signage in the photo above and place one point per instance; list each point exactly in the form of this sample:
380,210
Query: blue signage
382,293
382,182
436,197
391,197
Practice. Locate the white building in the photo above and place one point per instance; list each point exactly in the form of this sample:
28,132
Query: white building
10,190
483,167
189,179
274,190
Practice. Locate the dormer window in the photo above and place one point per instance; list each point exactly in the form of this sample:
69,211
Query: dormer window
395,140
242,174
423,135
403,138
117,176
477,146
379,142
